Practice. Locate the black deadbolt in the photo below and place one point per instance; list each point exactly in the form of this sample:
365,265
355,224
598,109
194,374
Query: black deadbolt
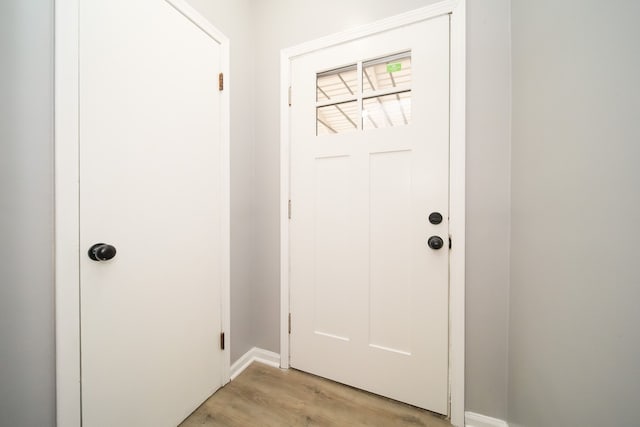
435,218
435,242
102,252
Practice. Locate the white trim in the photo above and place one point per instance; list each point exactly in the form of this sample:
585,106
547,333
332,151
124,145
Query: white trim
441,8
67,243
457,213
477,420
285,78
457,10
199,20
67,190
254,355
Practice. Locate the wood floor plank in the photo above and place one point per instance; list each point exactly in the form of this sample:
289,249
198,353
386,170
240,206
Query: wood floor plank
272,397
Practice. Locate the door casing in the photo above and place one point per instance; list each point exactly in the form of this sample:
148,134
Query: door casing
457,10
67,190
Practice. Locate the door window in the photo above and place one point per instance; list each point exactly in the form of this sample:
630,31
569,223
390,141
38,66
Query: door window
366,95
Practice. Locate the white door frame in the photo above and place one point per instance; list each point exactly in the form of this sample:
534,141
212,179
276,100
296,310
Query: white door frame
456,8
67,190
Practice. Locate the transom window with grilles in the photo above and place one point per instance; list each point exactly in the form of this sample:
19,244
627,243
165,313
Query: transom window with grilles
366,95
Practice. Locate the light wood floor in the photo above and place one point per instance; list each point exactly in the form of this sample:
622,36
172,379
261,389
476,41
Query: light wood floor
265,396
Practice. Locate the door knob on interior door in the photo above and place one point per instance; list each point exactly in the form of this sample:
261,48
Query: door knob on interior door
435,242
102,252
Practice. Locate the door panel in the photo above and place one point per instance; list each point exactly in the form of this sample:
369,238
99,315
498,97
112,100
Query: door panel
368,297
390,250
332,308
150,155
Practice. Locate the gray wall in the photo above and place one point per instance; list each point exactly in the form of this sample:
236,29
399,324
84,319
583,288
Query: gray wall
27,372
488,201
574,344
283,23
258,30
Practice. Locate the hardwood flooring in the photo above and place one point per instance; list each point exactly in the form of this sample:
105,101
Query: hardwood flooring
270,397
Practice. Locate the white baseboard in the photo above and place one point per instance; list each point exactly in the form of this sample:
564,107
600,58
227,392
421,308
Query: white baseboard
254,355
471,419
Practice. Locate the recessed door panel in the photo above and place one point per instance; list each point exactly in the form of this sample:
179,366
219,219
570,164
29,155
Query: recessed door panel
390,250
332,235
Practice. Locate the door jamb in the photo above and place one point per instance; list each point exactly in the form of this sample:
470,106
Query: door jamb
457,108
67,190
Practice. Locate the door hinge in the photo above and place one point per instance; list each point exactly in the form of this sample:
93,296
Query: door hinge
449,242
289,96
220,81
289,209
221,340
289,323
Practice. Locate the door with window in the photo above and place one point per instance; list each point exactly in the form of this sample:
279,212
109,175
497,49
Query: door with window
369,186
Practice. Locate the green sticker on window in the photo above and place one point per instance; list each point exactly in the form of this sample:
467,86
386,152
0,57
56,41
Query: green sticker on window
393,67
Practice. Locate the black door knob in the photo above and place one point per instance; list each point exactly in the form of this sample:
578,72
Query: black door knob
102,252
435,242
435,218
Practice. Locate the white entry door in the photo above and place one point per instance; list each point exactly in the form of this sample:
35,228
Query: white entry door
369,213
151,186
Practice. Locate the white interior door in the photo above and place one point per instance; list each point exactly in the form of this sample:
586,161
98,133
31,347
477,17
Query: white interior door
369,165
151,185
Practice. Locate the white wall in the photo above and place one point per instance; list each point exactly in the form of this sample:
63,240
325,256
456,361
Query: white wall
574,342
27,372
